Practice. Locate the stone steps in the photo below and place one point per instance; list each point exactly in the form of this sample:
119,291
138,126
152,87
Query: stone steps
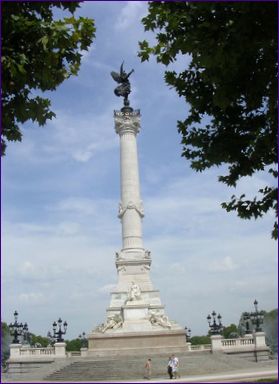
131,368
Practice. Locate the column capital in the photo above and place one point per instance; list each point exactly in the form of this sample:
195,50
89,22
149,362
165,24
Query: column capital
127,122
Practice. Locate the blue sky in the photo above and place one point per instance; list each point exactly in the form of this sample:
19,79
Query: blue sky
61,189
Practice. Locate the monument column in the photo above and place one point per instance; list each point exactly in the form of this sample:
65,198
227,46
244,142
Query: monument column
136,318
127,124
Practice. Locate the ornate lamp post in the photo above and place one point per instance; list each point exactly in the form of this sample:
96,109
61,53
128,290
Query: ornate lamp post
246,319
187,334
257,317
26,335
83,339
17,329
215,329
57,332
51,338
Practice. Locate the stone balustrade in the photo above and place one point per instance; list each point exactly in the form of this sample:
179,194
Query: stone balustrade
218,344
36,351
200,347
237,343
19,352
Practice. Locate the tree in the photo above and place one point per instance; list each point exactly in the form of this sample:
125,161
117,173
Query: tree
5,341
230,84
231,331
73,345
270,327
38,340
198,340
39,52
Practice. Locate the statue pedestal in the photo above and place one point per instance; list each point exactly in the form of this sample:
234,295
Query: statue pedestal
120,343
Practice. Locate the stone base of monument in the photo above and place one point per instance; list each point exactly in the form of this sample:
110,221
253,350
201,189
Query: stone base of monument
135,343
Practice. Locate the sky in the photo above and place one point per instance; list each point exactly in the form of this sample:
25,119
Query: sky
61,189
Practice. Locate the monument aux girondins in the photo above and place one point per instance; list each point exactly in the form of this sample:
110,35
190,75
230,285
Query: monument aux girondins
136,319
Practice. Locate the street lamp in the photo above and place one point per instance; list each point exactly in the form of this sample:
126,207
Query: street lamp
26,335
83,340
17,329
257,317
57,332
187,334
215,329
246,319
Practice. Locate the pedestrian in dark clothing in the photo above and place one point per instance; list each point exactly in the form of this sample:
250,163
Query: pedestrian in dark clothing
170,368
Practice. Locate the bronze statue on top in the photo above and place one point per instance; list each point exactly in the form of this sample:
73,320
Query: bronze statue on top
124,89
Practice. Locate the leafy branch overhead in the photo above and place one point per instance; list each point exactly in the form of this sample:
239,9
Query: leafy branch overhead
230,85
38,53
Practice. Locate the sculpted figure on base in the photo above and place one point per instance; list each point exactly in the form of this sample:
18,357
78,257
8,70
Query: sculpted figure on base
161,320
124,89
113,322
134,292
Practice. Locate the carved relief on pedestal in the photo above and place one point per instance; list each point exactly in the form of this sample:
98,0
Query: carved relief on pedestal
158,319
113,322
134,292
131,205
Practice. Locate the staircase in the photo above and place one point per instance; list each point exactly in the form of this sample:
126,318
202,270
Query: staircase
132,368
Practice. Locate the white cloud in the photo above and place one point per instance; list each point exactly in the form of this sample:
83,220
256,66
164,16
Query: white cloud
130,14
106,288
222,265
81,206
87,54
177,268
80,137
28,268
31,298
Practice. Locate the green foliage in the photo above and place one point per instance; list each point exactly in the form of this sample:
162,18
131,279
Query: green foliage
270,326
34,339
73,345
5,341
272,315
230,331
230,84
198,340
38,53
4,329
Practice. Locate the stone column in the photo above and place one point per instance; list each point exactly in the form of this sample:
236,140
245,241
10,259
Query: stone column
127,125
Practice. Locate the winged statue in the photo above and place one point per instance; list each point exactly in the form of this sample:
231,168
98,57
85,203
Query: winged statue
124,89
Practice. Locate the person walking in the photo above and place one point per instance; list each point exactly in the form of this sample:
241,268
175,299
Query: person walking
175,366
147,367
170,368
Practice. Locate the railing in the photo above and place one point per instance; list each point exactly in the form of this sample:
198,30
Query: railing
37,351
73,353
237,343
201,347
